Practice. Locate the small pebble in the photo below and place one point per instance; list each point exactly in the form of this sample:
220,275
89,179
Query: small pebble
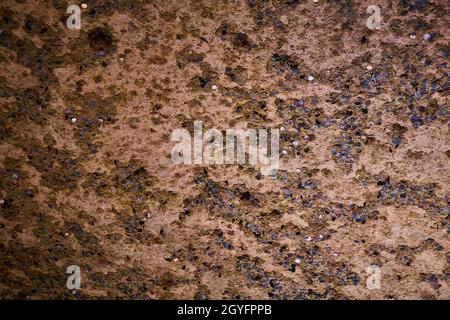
295,143
298,103
320,236
369,67
281,128
214,87
2,202
121,59
308,238
66,234
284,152
73,120
310,78
426,36
175,260
84,5
412,36
297,261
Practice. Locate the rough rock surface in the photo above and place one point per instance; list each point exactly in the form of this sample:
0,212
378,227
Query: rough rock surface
86,176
